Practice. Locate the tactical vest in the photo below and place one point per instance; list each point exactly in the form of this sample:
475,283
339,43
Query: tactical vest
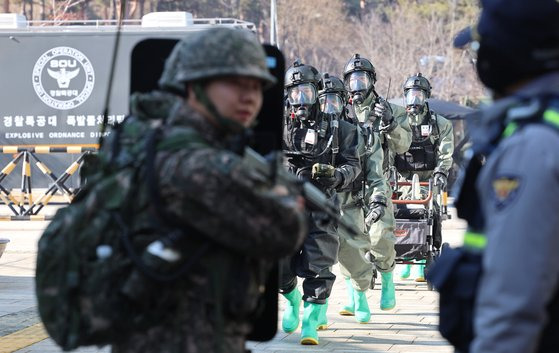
422,154
306,145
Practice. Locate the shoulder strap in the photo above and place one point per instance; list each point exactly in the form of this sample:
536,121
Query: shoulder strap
335,141
433,117
183,229
350,114
172,143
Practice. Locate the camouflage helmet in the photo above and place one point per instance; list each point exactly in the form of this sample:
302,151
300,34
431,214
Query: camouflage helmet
300,73
418,81
357,63
215,52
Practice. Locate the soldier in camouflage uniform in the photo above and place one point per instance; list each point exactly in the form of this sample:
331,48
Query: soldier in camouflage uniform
220,74
314,141
391,127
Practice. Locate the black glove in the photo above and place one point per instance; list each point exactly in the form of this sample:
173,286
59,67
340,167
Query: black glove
383,111
331,182
440,180
376,210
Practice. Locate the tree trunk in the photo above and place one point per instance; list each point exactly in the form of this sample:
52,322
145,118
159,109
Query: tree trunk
30,10
142,4
113,9
131,10
6,6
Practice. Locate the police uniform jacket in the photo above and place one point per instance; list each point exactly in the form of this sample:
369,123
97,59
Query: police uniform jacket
517,305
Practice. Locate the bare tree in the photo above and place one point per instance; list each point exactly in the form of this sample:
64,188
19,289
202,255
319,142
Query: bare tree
317,32
399,40
400,37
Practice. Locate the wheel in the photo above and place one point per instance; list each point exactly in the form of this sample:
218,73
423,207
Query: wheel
429,261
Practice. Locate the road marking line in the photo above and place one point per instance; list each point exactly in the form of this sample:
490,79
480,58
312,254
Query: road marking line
22,338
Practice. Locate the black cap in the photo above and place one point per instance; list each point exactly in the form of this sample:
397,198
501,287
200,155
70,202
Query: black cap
518,24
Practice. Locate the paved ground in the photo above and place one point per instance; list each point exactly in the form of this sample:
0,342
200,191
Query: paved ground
410,327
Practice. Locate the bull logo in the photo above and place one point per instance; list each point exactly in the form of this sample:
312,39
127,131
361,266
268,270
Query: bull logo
63,78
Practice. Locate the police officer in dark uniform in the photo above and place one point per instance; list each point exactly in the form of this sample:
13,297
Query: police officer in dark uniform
322,149
511,204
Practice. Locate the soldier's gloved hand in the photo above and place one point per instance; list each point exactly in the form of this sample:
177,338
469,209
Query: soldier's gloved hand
327,175
376,210
440,180
331,182
382,110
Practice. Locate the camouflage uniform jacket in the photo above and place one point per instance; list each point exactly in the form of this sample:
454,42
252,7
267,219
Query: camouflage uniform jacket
247,226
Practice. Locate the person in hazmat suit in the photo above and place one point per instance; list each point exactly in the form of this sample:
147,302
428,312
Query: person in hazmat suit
321,149
391,127
362,205
429,156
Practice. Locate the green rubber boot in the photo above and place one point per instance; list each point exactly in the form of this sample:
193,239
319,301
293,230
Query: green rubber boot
420,272
387,293
405,273
290,319
349,308
323,319
362,311
311,312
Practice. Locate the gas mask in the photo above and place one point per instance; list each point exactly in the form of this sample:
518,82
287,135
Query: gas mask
331,103
358,84
415,101
302,97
